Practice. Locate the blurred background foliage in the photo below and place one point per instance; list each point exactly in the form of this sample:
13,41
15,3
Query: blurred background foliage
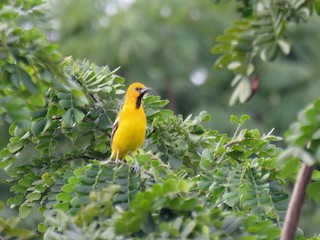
166,44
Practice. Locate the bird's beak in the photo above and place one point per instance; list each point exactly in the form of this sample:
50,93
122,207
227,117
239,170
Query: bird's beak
145,90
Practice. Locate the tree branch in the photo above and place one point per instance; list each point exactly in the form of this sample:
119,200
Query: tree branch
296,203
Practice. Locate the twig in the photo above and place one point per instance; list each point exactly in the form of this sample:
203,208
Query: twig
296,203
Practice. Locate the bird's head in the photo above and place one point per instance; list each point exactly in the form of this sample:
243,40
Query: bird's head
136,91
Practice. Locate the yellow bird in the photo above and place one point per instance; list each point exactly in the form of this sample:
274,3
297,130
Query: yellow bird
129,129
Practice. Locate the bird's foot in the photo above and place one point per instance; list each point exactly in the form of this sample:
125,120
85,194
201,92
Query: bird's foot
136,167
105,162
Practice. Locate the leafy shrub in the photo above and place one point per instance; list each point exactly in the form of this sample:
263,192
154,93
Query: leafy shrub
194,182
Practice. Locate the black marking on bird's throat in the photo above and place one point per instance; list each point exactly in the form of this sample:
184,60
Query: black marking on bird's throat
139,100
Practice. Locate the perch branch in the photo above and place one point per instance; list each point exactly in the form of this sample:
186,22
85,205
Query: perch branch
296,203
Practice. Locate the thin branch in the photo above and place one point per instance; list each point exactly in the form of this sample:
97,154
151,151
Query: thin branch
296,203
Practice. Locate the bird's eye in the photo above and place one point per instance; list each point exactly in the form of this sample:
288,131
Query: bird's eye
137,88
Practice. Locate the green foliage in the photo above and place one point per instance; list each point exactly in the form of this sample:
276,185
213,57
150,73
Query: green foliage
160,212
260,33
303,140
189,173
194,182
182,186
241,176
65,131
29,64
303,136
177,140
70,130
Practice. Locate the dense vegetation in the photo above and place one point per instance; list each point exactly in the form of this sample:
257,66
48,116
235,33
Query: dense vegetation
195,182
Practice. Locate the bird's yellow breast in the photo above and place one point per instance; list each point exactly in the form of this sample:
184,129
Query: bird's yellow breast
130,133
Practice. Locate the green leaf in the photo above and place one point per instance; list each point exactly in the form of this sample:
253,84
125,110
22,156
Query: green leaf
88,180
205,159
40,126
83,189
264,39
79,98
316,175
73,116
15,201
269,53
240,121
37,100
22,76
284,46
14,147
316,135
64,197
68,188
183,186
80,201
221,48
233,119
17,111
251,221
34,196
42,228
189,205
25,209
243,118
223,61
243,46
40,113
170,186
311,114
62,206
64,95
66,103
313,191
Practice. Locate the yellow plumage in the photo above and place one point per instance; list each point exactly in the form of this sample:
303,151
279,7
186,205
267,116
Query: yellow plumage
129,129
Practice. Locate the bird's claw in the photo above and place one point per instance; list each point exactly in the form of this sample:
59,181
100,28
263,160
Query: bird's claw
105,162
136,167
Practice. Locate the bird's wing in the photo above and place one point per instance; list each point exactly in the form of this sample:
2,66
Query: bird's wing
114,129
116,122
